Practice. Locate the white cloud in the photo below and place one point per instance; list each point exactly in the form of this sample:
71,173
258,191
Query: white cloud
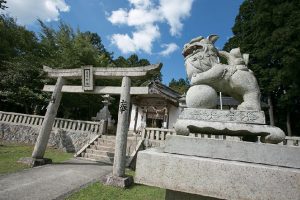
27,12
141,40
145,16
174,11
118,16
134,17
141,17
169,48
123,42
141,3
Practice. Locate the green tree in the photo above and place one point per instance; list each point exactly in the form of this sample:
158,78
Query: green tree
2,4
21,83
134,61
65,48
269,31
180,85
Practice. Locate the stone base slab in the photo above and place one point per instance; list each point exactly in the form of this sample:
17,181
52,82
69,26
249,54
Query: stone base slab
269,154
116,181
34,162
269,134
216,178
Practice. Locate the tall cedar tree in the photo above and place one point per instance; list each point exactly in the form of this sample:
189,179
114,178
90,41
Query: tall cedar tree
269,31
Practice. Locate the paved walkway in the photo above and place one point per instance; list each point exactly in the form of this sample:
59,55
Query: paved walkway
51,181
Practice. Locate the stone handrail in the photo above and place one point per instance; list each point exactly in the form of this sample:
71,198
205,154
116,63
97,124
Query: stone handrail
156,133
219,137
160,134
59,123
291,141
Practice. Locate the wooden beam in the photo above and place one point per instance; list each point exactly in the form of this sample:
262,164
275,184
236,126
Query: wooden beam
97,90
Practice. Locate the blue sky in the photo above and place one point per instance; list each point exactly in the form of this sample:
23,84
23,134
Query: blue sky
153,29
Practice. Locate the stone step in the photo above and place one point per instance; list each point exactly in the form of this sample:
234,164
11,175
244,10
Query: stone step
100,152
102,147
96,157
104,141
112,140
110,137
105,146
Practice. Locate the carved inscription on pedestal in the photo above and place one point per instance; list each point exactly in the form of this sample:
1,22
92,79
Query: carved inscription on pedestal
237,116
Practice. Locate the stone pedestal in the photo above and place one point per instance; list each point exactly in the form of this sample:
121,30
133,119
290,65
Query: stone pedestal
246,123
199,168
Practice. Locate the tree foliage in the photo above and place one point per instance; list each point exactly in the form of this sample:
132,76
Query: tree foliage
64,48
2,4
135,61
20,85
269,31
181,86
22,55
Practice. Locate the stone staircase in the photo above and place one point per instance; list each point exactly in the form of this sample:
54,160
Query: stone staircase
102,149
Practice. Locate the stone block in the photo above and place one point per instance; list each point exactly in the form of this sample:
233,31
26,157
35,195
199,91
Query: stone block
34,162
269,134
217,178
116,181
269,154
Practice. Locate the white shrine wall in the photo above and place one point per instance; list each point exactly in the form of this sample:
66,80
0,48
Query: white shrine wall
173,115
132,118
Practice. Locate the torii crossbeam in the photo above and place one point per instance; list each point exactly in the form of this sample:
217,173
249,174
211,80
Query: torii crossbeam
103,72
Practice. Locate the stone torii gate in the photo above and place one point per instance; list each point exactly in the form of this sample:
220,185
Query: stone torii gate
88,74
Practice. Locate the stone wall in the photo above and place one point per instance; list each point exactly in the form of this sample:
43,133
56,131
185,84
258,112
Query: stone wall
68,140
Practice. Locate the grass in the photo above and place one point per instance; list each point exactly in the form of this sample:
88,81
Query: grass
102,192
98,191
11,153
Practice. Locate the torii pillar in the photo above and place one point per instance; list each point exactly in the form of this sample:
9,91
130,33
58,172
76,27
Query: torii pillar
118,178
44,133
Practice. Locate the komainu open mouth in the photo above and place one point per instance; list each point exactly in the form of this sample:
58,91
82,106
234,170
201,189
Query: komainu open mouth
191,49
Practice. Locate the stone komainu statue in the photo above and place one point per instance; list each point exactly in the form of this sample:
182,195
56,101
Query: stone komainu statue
207,75
235,79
